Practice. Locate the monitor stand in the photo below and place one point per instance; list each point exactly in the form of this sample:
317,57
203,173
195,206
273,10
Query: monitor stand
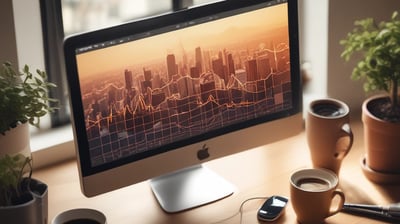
188,188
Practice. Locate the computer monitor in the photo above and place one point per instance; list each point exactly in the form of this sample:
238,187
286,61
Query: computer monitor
154,99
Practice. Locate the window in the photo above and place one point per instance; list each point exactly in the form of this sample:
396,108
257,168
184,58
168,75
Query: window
66,17
80,16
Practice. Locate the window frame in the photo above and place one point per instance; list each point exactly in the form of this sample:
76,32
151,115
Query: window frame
53,38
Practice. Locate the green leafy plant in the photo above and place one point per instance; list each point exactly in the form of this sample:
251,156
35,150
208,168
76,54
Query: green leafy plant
379,45
23,97
13,171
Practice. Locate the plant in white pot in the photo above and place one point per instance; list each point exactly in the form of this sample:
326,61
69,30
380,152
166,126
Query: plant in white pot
379,67
23,100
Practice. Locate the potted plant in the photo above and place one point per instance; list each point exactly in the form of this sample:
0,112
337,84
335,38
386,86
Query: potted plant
379,67
24,99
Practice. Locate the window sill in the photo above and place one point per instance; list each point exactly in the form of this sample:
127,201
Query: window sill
52,146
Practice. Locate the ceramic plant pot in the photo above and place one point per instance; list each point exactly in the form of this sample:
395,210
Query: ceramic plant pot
16,140
33,208
382,143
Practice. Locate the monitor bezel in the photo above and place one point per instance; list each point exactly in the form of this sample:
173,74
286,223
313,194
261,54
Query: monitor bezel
91,175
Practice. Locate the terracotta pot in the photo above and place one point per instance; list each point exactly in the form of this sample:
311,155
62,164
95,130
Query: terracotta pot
382,142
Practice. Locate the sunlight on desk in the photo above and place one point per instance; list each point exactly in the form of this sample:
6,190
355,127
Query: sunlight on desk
260,172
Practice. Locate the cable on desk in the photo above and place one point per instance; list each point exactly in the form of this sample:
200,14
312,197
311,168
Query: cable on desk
240,211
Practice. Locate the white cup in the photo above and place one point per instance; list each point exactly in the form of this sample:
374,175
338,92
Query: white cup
80,216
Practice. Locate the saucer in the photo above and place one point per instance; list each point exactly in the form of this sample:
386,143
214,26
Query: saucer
379,177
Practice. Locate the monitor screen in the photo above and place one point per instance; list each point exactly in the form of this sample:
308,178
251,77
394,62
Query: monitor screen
169,92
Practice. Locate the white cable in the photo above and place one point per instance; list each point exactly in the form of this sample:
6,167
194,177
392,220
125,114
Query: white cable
240,211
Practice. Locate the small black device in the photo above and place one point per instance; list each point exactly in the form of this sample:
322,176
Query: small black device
272,208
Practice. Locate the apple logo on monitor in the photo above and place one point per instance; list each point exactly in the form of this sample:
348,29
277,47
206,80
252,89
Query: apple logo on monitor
203,153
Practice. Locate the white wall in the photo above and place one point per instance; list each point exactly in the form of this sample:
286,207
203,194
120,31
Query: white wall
28,31
323,23
8,43
313,30
21,39
342,14
29,40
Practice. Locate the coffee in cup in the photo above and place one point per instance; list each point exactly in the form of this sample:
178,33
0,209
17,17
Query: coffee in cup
80,216
328,132
311,192
313,184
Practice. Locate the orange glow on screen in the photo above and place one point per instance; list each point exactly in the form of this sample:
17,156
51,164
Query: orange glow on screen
217,33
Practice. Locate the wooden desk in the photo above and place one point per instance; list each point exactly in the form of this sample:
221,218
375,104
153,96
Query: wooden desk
262,171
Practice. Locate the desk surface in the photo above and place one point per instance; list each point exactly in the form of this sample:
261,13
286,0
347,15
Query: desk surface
260,172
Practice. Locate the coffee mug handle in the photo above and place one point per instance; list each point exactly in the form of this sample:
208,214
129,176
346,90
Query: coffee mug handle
339,207
347,132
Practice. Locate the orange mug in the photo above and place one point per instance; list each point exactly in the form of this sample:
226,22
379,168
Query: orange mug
311,194
328,131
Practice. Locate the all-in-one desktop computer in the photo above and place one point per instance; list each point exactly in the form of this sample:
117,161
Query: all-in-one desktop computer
154,99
